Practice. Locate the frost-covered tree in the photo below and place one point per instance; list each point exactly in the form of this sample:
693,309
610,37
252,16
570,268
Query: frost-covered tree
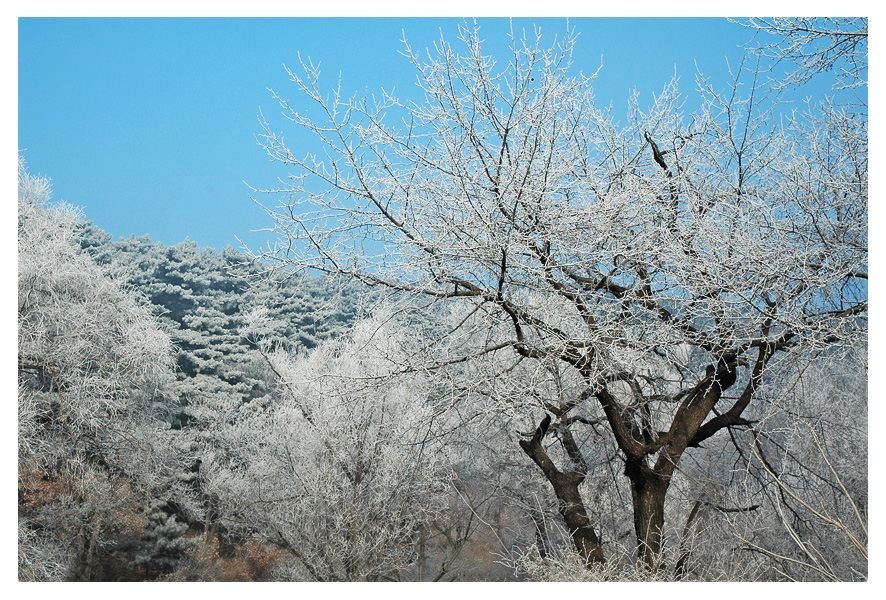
645,276
342,468
92,361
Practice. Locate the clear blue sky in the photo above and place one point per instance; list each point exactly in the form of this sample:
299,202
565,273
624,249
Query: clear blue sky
150,124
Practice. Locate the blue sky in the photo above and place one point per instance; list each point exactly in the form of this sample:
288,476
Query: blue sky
150,124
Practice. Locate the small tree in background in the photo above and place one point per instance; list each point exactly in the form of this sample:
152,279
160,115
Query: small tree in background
342,468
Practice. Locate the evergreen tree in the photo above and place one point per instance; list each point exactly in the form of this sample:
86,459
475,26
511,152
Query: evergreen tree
163,544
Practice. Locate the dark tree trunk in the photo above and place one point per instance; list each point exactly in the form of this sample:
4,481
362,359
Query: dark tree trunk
572,509
648,492
565,484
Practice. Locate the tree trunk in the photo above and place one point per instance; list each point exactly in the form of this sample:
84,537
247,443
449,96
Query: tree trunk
422,556
565,484
572,509
648,492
